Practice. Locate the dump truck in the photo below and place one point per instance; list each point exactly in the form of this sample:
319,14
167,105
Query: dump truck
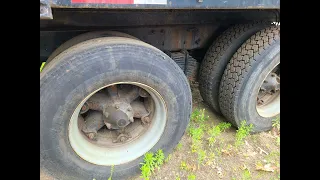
115,77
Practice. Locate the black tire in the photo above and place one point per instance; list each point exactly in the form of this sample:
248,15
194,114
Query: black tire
84,68
243,76
83,37
218,56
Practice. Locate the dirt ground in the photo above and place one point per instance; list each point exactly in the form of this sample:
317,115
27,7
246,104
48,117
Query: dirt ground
257,159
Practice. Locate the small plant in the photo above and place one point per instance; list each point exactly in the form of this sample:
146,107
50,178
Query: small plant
151,161
177,177
196,133
168,158
179,146
195,114
276,122
216,131
202,155
196,136
243,131
246,175
147,167
183,165
210,158
198,116
196,145
112,170
159,158
192,177
224,126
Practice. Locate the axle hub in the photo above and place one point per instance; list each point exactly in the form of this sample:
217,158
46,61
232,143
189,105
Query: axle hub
118,116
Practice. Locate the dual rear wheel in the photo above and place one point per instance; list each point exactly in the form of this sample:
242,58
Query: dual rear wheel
105,101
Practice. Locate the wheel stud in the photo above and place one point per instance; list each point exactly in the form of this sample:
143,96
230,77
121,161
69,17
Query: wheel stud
91,136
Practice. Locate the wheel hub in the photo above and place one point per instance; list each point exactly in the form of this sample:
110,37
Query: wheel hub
115,107
269,88
118,116
271,84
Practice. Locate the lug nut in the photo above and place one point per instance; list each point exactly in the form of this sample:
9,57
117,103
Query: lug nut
91,136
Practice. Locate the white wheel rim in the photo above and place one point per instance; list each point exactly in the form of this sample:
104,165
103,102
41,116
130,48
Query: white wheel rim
125,153
272,108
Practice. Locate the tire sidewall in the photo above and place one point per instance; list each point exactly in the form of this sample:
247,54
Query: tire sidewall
247,100
79,74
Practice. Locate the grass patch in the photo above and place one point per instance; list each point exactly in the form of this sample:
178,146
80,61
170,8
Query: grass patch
192,177
151,161
276,122
246,175
196,133
198,116
184,166
168,158
179,146
215,131
242,132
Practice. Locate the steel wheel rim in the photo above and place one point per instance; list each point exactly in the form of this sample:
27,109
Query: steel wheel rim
271,107
125,153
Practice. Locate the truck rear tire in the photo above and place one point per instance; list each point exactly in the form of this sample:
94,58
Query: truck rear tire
218,56
106,66
252,75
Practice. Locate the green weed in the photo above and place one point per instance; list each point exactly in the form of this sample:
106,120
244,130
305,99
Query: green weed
177,177
196,136
210,158
151,161
183,165
196,133
276,122
159,158
192,177
215,131
242,132
168,158
112,170
202,155
198,116
246,175
179,146
147,167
